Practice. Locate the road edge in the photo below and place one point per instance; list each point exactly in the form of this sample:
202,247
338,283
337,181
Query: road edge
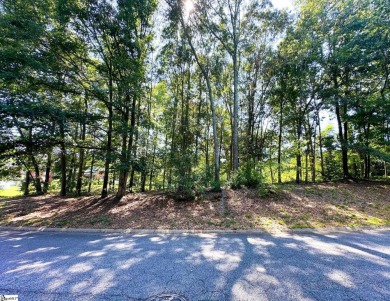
196,231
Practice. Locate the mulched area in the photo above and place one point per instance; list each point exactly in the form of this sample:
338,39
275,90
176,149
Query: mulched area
269,208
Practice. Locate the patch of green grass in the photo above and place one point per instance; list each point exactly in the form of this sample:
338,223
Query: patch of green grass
300,225
227,223
248,216
100,220
375,221
313,190
60,223
269,189
341,206
10,192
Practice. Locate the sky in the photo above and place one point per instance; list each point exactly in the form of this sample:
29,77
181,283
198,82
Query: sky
283,3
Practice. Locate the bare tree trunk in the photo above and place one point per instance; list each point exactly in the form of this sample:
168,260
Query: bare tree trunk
107,162
27,183
37,182
235,114
280,143
299,156
48,171
211,99
320,144
307,165
81,154
63,160
124,163
91,173
152,168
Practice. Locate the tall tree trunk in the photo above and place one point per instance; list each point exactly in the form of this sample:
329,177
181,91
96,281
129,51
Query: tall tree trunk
108,154
37,182
47,172
63,160
63,170
280,143
307,165
235,114
152,168
27,183
344,150
82,153
211,99
133,138
367,157
91,173
107,162
342,136
143,180
299,155
320,144
124,159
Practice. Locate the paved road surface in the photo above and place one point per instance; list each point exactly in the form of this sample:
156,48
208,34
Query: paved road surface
76,266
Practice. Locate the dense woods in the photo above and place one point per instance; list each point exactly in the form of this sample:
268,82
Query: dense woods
182,96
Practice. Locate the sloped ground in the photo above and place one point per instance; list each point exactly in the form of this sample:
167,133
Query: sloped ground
276,207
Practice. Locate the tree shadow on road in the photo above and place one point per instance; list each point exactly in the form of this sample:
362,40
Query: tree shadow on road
339,266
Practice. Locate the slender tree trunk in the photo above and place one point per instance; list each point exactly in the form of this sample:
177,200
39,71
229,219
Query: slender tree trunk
211,99
235,114
152,168
320,144
342,136
81,154
165,160
299,155
113,180
91,173
344,150
124,164
280,143
108,154
47,172
133,139
69,181
27,183
107,162
37,182
307,166
63,160
313,159
143,181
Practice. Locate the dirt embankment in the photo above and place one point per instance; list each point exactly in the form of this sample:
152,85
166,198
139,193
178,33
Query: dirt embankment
276,207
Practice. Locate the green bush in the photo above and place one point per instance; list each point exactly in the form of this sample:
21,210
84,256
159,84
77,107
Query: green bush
248,176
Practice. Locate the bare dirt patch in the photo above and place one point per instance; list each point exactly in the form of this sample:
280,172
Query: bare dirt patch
286,206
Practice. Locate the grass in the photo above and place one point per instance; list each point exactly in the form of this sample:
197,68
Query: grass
13,191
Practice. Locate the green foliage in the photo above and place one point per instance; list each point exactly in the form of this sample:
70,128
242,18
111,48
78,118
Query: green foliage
248,176
82,83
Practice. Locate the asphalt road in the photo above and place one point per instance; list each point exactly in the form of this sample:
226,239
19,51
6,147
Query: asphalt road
86,266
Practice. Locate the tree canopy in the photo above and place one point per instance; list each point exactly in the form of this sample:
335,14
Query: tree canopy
189,95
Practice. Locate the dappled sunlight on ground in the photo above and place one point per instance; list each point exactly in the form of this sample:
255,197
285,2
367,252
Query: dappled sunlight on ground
288,206
221,267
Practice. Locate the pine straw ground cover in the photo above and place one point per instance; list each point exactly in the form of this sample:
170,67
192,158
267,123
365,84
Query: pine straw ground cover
270,208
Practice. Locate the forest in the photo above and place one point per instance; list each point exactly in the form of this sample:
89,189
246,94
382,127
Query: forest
117,96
